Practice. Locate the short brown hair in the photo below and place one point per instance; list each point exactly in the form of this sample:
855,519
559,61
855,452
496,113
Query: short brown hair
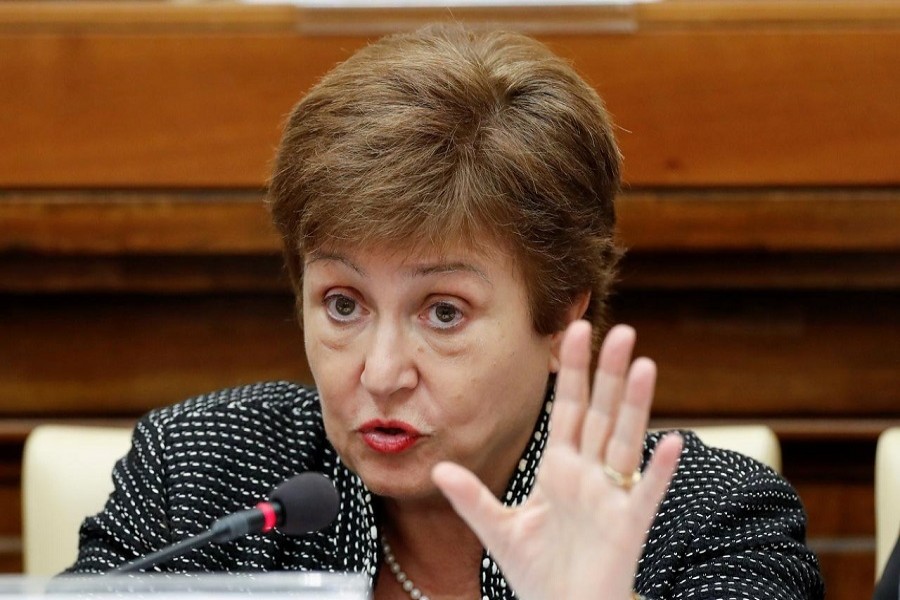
445,136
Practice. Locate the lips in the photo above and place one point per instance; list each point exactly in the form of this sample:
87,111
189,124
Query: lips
389,437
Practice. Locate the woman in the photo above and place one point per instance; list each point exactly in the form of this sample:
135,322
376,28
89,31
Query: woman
446,202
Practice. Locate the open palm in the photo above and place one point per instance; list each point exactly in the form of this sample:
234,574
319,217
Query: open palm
580,532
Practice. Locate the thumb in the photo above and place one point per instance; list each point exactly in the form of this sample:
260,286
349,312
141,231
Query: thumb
474,502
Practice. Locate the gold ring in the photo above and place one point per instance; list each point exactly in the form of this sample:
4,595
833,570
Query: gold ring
626,482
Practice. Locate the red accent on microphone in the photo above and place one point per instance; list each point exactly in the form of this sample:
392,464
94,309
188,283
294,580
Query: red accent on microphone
271,519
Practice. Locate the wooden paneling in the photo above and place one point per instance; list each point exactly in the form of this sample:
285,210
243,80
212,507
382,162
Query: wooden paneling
265,273
760,271
151,110
10,516
235,222
849,573
834,480
755,354
128,223
726,355
770,220
10,505
123,355
697,103
145,274
749,107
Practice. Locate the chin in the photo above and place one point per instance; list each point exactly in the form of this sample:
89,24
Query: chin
399,485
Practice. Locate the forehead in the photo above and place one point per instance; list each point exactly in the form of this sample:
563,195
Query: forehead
482,249
488,258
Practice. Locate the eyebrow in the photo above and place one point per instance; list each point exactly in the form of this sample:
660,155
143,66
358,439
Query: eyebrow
318,256
454,267
423,270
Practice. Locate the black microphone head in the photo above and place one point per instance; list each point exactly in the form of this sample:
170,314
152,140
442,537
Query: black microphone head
309,502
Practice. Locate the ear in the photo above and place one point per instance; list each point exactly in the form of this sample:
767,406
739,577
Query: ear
575,311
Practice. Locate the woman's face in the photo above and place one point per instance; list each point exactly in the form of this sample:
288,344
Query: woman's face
422,358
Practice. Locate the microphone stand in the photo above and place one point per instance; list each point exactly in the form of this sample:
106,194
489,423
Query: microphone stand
166,554
304,503
224,530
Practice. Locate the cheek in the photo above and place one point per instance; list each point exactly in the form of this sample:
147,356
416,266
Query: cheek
319,331
333,375
474,397
339,412
516,379
327,347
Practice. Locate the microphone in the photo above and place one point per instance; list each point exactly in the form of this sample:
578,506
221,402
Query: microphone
304,503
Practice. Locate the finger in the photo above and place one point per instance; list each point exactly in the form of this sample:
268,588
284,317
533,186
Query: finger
477,506
609,385
658,475
571,386
623,452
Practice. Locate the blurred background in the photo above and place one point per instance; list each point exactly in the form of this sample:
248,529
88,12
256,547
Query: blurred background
761,213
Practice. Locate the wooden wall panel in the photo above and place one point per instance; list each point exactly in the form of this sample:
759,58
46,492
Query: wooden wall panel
10,516
236,222
121,355
10,504
752,354
797,105
834,480
722,355
130,223
100,110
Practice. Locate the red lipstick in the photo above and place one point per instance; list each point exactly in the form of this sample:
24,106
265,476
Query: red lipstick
389,437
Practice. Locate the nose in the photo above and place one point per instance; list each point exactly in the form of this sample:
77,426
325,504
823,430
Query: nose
389,366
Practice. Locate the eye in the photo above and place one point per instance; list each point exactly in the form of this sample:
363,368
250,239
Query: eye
341,308
444,315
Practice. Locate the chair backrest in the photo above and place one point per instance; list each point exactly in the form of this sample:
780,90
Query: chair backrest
887,496
756,441
65,478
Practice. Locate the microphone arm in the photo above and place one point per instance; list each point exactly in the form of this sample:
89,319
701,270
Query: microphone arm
304,503
255,520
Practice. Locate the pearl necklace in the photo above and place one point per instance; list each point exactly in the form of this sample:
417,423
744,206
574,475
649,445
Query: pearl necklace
405,582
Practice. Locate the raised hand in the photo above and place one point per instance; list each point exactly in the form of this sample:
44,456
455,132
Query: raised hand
579,535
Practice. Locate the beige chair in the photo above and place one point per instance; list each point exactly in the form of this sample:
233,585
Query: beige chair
65,477
887,496
756,441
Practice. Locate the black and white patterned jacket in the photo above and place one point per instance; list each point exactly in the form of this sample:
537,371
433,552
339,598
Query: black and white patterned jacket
728,528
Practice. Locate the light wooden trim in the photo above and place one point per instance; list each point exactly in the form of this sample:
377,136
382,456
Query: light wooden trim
751,13
83,17
235,16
